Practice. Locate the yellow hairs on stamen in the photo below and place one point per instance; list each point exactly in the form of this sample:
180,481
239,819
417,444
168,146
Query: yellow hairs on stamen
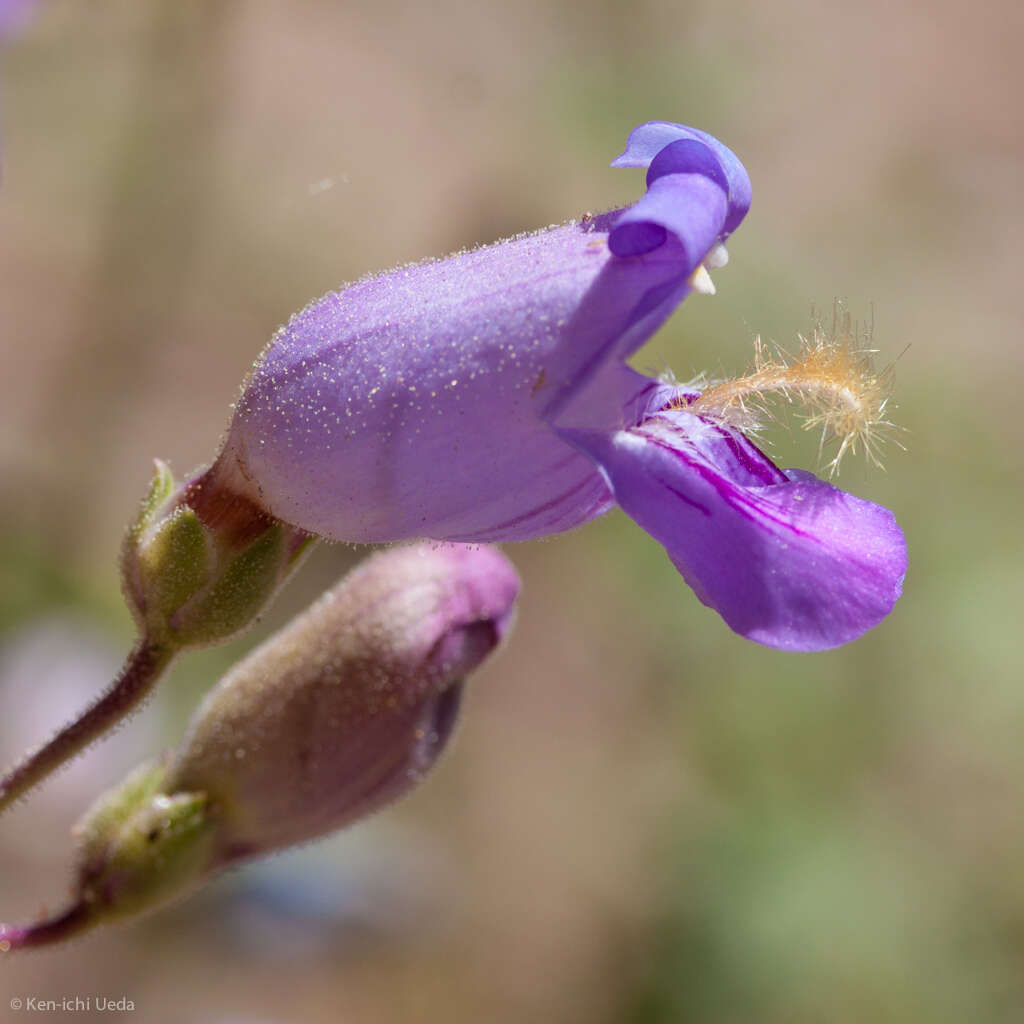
832,376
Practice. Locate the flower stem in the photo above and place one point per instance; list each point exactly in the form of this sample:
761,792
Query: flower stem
140,673
73,920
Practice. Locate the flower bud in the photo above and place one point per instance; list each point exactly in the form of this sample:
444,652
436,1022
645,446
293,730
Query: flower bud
335,716
348,707
198,567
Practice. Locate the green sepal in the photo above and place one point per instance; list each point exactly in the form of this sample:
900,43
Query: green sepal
140,847
190,582
115,807
238,593
175,564
161,488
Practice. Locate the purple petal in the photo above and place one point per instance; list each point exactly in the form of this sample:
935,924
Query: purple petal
692,207
786,559
416,404
647,141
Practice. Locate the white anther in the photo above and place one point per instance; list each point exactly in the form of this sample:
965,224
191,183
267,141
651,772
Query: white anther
718,256
700,281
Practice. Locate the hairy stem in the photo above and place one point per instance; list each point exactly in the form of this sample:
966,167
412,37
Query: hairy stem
74,920
139,675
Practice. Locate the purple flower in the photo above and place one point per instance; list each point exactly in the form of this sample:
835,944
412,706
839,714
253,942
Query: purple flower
14,15
485,397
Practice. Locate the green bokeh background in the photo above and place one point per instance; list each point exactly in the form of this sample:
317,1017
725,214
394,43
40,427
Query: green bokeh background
643,818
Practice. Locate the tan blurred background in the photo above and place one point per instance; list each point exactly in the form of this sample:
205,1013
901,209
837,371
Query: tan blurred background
642,818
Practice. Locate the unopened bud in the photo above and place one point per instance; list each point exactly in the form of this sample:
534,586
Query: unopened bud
337,715
198,565
346,709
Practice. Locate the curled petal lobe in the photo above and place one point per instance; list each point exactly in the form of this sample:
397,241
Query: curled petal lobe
786,559
687,197
649,140
692,207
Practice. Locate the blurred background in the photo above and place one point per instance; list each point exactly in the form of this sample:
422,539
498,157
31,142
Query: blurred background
649,823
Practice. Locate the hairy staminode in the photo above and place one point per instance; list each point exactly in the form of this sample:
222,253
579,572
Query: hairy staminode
832,375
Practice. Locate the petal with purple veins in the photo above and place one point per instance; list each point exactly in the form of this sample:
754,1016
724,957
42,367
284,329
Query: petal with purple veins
786,559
